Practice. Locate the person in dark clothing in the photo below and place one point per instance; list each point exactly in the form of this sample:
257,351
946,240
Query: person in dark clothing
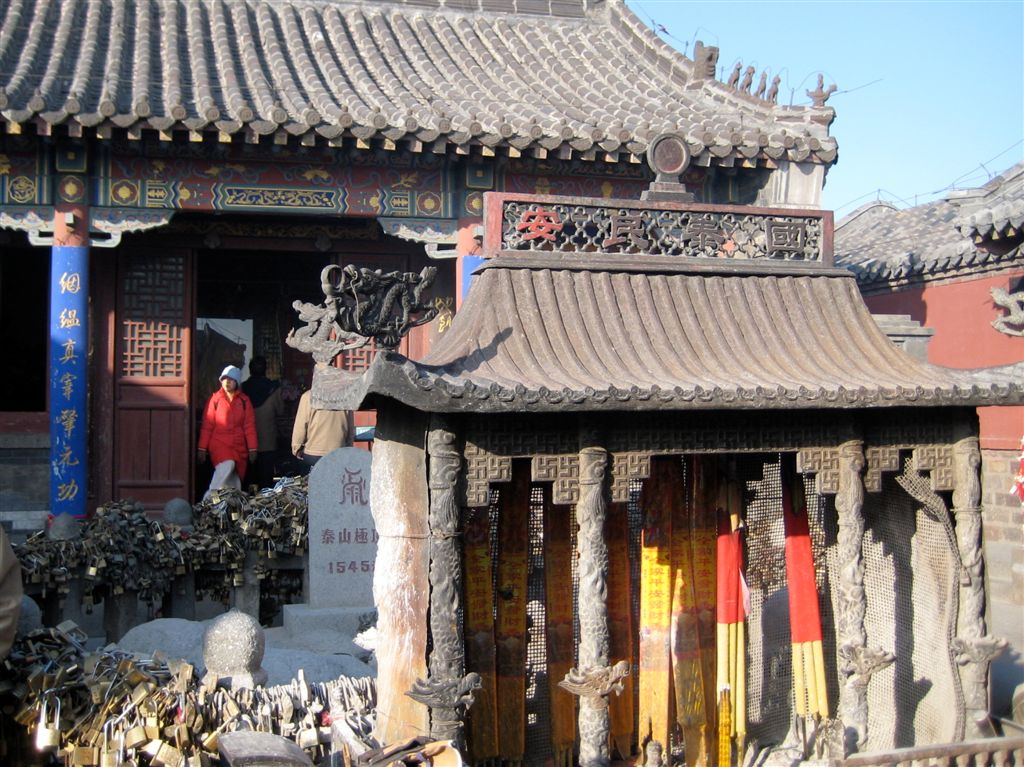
269,408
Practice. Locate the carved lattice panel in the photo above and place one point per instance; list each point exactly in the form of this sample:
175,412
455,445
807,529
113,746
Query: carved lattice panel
153,304
359,359
901,430
482,468
626,467
824,464
508,437
938,461
563,471
878,460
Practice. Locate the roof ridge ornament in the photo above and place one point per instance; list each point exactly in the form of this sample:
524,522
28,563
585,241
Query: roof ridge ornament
820,94
668,156
361,304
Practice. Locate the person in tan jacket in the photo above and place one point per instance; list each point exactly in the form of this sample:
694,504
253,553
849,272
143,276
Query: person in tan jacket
318,432
10,594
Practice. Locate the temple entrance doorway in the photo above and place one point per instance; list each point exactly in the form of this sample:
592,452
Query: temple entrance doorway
245,289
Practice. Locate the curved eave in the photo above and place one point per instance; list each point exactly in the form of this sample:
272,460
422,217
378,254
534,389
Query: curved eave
394,377
536,340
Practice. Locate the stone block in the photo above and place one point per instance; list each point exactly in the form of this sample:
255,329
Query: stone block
260,749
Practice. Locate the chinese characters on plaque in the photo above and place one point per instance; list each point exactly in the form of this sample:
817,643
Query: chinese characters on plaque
342,537
69,291
652,231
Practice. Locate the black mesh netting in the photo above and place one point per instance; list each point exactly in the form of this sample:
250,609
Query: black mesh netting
910,582
770,704
909,585
538,722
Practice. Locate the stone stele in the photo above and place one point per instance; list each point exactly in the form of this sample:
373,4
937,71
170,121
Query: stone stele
342,536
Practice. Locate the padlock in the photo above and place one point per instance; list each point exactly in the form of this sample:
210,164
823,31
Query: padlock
47,735
113,747
135,737
85,756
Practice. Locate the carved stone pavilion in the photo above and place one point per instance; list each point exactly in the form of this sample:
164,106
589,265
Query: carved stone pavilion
636,407
186,166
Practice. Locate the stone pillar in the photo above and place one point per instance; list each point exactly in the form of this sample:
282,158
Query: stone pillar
447,691
974,649
69,349
399,502
245,596
593,680
857,661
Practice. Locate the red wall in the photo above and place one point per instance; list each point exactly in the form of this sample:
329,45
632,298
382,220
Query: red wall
961,315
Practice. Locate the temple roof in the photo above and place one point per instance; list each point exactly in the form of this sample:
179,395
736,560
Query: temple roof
968,231
575,76
568,335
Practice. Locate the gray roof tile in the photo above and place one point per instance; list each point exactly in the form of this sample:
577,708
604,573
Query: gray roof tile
522,73
538,335
961,233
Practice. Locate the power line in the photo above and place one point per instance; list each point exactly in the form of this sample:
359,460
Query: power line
980,165
927,196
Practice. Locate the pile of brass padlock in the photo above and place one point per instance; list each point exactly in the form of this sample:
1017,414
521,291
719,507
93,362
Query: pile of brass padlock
124,550
229,523
121,549
276,520
49,563
111,709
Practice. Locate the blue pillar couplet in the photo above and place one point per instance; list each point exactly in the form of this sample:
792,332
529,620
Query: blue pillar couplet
469,263
69,379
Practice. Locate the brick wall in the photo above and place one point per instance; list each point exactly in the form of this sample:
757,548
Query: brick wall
1004,570
24,483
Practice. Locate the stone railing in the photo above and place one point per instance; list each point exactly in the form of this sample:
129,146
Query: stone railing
992,752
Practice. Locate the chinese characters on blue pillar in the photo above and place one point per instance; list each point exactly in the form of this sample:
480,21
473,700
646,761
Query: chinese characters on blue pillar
69,347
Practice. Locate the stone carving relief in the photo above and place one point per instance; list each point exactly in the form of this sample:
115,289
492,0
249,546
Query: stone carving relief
879,460
824,464
1012,324
938,461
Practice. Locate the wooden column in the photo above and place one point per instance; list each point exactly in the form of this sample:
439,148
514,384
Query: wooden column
857,661
447,690
69,349
593,680
974,649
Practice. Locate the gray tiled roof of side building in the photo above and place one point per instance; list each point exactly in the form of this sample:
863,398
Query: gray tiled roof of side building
937,239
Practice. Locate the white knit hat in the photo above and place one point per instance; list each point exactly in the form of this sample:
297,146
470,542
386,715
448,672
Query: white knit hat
231,372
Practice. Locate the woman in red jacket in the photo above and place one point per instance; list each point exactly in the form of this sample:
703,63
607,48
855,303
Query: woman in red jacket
228,432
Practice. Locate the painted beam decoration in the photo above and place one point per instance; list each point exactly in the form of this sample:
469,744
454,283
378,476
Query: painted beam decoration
519,224
295,181
69,345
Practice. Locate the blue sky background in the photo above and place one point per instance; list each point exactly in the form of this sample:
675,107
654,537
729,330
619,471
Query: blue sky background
930,94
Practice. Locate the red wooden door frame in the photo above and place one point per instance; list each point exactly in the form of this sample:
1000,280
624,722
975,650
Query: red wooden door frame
153,440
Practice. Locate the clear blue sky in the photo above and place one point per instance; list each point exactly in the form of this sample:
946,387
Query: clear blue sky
929,92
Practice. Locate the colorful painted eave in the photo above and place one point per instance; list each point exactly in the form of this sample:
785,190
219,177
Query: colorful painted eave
574,78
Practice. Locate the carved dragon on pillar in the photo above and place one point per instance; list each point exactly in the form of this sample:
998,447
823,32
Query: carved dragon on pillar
448,691
593,674
974,649
858,662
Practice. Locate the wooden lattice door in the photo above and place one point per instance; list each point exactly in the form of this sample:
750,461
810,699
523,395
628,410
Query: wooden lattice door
152,434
